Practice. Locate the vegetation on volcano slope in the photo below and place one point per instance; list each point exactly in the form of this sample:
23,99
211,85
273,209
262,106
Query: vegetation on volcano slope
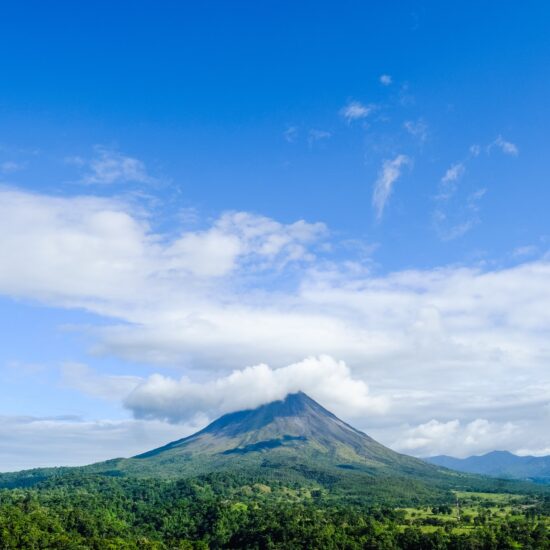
228,511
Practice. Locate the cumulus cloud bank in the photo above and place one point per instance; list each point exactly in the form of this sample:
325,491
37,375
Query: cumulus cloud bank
323,378
91,251
459,439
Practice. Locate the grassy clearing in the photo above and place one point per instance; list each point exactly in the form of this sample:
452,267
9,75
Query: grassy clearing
471,510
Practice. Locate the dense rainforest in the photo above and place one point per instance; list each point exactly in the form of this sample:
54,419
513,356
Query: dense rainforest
229,511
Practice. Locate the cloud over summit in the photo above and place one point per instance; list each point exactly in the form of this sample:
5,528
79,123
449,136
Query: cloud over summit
323,378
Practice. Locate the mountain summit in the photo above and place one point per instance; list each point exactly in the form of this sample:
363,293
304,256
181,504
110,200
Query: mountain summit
294,422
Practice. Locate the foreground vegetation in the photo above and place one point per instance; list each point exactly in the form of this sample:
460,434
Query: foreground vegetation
100,512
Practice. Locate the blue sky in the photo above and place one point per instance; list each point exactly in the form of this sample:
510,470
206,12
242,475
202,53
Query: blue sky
206,206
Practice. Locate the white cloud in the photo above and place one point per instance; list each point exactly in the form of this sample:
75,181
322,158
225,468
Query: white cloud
386,79
266,241
388,175
472,416
507,147
109,167
88,250
355,110
323,378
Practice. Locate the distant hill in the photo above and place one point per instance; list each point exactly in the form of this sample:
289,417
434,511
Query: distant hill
499,464
294,441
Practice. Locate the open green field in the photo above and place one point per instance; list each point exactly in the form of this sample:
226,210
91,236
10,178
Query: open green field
473,510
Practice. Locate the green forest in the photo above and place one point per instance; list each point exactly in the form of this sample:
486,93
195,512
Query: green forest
231,511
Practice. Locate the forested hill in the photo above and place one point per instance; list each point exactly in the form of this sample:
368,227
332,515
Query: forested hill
224,511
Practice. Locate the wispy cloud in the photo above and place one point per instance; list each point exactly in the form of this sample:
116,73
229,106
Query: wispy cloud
454,231
448,182
317,135
475,150
475,197
457,211
455,220
469,213
388,175
417,128
9,167
290,134
109,167
453,173
355,110
507,147
386,79
455,215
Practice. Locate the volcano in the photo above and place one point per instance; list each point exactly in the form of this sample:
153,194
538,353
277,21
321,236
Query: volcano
294,427
291,441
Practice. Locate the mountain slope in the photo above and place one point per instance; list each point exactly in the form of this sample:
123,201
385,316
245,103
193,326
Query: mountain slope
296,430
499,464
